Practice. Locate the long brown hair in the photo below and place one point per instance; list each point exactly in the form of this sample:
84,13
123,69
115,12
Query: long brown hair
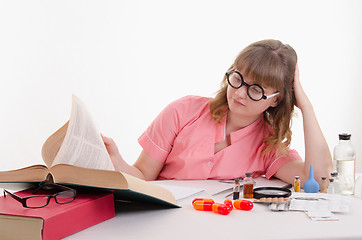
269,63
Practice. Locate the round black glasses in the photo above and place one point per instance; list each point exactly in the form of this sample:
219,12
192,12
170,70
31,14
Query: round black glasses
254,91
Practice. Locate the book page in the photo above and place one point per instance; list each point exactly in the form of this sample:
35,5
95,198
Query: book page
83,145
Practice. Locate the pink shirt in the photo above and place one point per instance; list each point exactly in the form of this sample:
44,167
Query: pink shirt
183,137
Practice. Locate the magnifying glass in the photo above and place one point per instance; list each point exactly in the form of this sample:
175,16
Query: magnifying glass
272,192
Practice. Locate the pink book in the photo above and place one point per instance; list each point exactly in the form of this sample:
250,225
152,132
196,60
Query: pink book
54,221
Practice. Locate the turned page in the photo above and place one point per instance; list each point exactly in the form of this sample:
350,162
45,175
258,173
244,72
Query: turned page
83,145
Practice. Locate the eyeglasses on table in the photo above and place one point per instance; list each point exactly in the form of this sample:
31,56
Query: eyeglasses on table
64,195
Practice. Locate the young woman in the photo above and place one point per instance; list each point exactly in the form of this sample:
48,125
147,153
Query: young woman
245,128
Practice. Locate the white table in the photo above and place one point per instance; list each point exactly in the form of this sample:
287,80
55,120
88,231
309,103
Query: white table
135,221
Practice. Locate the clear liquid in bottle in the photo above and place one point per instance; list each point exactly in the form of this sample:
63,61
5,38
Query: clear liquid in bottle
344,161
346,170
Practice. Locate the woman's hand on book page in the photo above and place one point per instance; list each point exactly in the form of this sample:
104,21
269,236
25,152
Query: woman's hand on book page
113,152
145,167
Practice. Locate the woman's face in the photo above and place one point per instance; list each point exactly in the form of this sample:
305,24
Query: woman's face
241,105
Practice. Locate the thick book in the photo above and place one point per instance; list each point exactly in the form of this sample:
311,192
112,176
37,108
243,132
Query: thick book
54,221
75,155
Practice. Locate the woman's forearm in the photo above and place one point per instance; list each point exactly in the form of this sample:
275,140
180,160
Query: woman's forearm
316,147
118,162
121,165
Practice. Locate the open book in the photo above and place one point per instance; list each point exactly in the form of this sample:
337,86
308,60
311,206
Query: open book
75,155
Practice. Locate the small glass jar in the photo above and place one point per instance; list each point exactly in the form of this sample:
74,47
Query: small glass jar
331,186
324,185
334,176
236,190
297,184
248,186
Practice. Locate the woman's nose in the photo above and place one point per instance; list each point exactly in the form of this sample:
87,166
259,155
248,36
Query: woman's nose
242,91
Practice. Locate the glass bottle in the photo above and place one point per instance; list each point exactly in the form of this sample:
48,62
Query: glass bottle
248,186
236,190
334,176
344,162
297,184
331,186
324,185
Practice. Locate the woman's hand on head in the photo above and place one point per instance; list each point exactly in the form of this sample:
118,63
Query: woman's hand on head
302,100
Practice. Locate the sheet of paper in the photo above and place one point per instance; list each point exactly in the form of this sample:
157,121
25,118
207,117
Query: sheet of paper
178,190
321,215
311,201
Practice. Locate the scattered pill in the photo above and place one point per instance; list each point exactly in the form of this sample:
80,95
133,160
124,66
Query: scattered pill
203,205
229,203
202,199
221,208
243,205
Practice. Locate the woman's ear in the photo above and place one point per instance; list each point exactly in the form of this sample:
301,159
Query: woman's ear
275,102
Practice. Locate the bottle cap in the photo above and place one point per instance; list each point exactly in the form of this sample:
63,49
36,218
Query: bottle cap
331,180
334,174
296,177
248,174
344,136
323,178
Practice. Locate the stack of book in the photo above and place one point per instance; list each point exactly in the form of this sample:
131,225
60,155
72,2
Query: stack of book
54,221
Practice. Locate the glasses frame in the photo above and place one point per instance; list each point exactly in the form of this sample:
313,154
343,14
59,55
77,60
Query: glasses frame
263,96
23,200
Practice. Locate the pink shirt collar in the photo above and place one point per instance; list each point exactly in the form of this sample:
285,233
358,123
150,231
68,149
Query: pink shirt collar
237,135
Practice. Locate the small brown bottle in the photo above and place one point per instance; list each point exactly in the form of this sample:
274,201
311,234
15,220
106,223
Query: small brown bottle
248,186
324,185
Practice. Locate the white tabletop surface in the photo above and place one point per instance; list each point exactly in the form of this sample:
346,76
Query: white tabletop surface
136,221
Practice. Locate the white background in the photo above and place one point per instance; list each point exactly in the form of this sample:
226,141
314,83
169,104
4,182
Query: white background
128,59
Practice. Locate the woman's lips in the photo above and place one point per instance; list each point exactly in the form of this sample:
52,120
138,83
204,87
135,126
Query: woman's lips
238,103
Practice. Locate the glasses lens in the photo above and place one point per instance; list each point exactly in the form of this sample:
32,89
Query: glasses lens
255,92
235,80
65,197
37,201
